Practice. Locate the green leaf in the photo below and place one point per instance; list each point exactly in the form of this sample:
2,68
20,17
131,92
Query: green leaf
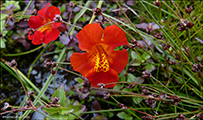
59,44
137,100
121,115
146,56
149,67
110,114
128,117
57,116
131,77
60,93
15,3
125,116
62,8
50,110
65,110
100,117
3,16
135,64
2,44
79,80
117,87
68,102
126,90
78,110
135,56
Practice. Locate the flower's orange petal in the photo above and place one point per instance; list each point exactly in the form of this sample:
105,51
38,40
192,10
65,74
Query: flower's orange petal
114,37
37,38
81,62
51,36
52,11
118,60
43,12
35,22
102,77
89,36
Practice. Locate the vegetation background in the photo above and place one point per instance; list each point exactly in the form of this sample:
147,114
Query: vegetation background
162,80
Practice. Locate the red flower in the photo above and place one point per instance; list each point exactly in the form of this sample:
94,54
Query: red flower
100,63
44,26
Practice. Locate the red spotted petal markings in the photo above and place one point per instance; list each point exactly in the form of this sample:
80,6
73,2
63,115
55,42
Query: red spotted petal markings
44,26
100,63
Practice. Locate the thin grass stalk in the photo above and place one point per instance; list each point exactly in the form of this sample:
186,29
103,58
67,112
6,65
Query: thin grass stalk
143,40
98,6
25,9
24,53
44,88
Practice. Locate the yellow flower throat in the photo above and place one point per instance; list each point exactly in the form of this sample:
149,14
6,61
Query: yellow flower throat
100,59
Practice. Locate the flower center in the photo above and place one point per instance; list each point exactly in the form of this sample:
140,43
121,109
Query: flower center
100,59
46,26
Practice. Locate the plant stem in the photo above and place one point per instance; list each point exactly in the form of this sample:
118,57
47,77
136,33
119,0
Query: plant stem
77,116
130,93
69,71
100,111
71,25
24,88
25,9
98,6
27,52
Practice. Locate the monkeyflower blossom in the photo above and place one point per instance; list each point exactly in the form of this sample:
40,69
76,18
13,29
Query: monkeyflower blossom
44,25
101,63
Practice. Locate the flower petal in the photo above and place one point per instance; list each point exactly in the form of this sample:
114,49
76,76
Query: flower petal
89,36
118,60
35,22
43,12
51,36
37,38
81,62
56,24
102,77
52,11
30,36
114,37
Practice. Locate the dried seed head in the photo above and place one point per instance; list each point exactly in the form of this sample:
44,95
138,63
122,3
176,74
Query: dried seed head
172,62
53,72
124,108
130,86
120,104
13,63
57,18
86,82
53,64
71,4
6,105
55,100
146,74
101,85
31,93
97,11
164,46
84,90
181,116
27,104
47,60
199,65
157,3
190,25
143,87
